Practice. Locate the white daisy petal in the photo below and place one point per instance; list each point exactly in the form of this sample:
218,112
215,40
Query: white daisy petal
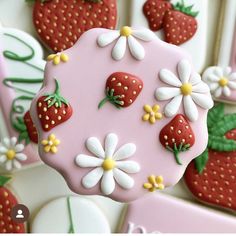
136,49
107,38
108,182
166,93
110,144
3,149
213,86
94,146
218,92
213,78
144,34
184,71
19,147
124,180
190,108
227,71
232,76
88,161
226,91
119,49
8,165
232,85
201,88
195,79
129,167
16,164
21,156
168,77
6,142
13,141
3,158
203,100
218,71
92,178
125,151
173,106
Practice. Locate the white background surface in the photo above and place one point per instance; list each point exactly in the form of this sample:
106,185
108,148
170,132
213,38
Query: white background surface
37,186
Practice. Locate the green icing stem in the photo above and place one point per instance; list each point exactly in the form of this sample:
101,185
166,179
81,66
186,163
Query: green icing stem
17,111
71,229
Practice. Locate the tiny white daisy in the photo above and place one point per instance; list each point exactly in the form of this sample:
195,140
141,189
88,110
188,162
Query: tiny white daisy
11,153
110,167
124,36
220,80
188,88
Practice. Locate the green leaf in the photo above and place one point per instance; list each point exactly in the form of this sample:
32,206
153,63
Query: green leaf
221,144
19,127
227,123
20,119
23,137
4,180
214,115
201,161
180,6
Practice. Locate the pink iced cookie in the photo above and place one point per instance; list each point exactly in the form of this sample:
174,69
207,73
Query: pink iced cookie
21,77
102,107
159,213
222,77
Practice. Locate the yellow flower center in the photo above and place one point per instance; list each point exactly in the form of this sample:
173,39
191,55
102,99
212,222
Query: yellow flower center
108,164
223,82
186,89
126,31
10,154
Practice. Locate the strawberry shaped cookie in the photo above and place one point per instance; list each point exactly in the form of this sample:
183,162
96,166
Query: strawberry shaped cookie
7,202
113,152
211,176
60,23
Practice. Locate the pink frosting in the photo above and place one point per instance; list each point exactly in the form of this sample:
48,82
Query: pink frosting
165,214
7,95
82,81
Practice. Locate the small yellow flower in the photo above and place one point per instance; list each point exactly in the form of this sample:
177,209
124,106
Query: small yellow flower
154,183
152,114
50,144
57,58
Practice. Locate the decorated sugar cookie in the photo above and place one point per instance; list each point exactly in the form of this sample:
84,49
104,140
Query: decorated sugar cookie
179,22
211,176
109,128
60,23
21,76
222,77
7,202
73,215
159,213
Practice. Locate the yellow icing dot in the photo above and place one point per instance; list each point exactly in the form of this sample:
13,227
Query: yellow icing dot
152,113
108,164
50,144
10,154
186,89
126,31
223,82
154,183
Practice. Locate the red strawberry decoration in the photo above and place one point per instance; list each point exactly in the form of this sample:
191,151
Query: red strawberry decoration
122,89
7,202
155,10
61,23
179,24
31,129
53,109
177,136
211,177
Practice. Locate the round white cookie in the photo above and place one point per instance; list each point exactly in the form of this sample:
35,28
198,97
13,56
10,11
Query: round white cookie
70,215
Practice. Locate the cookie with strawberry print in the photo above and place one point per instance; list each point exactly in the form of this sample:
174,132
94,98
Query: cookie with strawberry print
7,202
109,146
59,24
21,76
211,176
180,22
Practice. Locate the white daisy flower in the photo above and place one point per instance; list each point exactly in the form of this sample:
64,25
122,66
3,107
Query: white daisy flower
220,80
110,165
188,88
124,36
11,153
